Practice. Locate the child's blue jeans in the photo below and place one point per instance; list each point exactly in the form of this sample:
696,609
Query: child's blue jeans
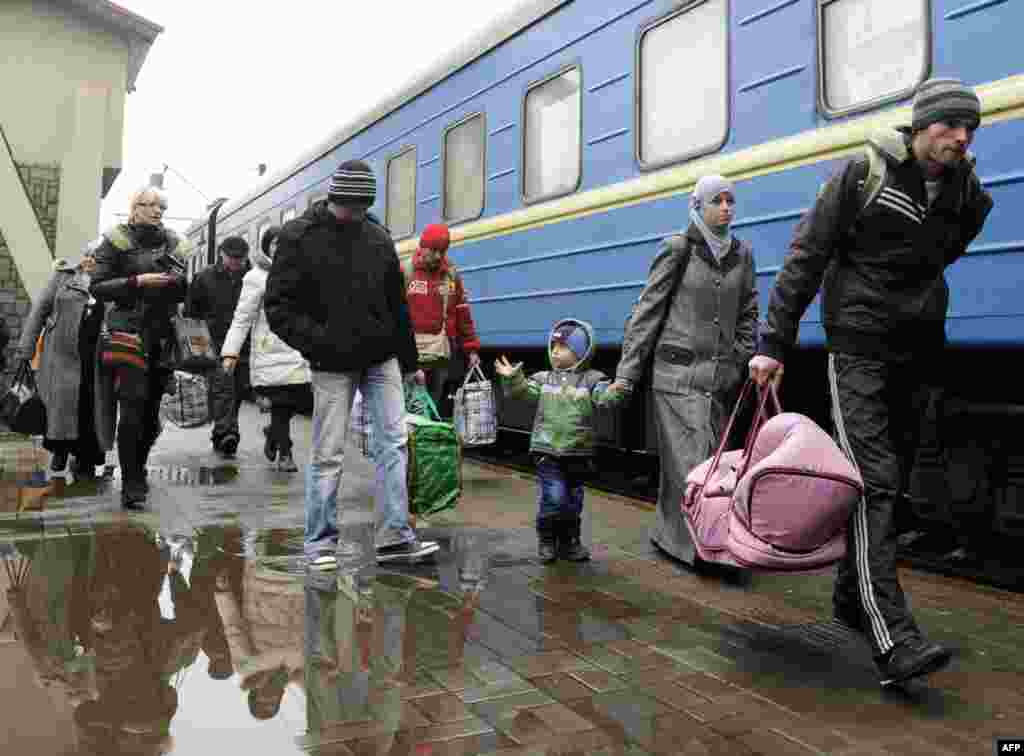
559,490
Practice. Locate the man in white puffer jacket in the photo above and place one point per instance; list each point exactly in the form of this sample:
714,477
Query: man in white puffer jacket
278,372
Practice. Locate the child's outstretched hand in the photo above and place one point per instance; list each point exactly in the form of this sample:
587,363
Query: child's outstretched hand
506,368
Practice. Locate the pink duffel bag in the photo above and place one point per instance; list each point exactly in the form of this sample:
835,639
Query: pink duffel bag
780,504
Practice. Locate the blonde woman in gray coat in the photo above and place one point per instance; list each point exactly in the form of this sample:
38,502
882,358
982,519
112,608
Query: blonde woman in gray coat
695,327
68,315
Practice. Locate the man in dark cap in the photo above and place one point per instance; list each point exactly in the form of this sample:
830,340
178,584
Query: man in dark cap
880,235
212,296
336,294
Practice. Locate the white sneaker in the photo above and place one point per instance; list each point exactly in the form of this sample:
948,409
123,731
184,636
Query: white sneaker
324,562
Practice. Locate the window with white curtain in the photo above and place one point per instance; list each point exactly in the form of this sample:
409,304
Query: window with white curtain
683,84
871,50
552,157
463,168
401,194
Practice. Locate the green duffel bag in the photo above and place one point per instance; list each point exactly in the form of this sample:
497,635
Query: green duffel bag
435,464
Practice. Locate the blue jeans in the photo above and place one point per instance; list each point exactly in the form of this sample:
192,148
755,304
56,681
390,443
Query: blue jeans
333,393
559,491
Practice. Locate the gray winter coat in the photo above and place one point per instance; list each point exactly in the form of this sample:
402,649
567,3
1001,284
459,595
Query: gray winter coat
699,357
708,334
61,310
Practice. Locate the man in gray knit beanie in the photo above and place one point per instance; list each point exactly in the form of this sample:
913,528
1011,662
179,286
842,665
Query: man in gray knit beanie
884,321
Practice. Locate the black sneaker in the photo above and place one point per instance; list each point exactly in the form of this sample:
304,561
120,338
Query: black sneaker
410,550
286,463
913,657
228,445
133,495
269,447
58,462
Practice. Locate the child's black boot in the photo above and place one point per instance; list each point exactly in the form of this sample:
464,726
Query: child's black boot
547,546
569,545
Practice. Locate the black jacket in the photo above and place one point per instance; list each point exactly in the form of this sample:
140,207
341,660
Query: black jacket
128,251
212,296
336,294
884,293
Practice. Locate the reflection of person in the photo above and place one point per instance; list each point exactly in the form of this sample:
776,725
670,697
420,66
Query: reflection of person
135,702
68,313
562,442
884,301
335,293
696,321
213,296
439,311
277,371
136,272
262,614
355,651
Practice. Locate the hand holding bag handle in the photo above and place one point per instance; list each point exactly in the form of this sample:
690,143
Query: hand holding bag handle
755,427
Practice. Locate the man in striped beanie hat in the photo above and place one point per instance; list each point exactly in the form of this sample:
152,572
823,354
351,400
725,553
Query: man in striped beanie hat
352,185
944,118
886,226
335,293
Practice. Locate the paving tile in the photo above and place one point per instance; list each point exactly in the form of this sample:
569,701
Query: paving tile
678,734
811,734
670,694
500,709
450,730
720,708
599,681
700,658
442,708
547,663
561,687
561,719
771,743
706,685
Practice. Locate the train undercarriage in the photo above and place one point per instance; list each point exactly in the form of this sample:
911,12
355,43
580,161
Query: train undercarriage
965,503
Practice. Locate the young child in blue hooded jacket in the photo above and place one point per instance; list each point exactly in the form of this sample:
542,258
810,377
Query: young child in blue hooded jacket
562,443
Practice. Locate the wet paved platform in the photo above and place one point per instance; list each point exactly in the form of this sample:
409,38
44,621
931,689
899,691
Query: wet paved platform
194,629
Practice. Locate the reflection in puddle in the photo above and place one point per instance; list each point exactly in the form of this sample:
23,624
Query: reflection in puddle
114,618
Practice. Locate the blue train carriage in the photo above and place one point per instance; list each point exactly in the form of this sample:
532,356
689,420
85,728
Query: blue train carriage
561,144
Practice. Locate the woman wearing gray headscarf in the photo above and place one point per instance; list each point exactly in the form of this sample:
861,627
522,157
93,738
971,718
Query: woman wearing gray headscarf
696,321
70,319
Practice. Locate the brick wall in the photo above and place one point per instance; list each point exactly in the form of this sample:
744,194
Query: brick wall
43,183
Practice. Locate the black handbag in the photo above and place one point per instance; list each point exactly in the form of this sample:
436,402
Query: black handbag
21,409
193,346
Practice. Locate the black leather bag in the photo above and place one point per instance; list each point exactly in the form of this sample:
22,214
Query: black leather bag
193,346
21,409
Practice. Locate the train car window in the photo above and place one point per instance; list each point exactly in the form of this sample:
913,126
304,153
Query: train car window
871,52
682,63
463,166
552,136
287,215
400,211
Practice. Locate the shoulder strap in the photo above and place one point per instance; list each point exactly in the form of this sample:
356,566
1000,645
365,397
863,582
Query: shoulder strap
875,178
680,246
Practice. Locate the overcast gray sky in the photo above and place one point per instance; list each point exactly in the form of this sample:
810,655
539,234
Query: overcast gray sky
234,83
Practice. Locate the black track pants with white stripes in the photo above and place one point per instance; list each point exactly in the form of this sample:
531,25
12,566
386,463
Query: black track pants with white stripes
876,408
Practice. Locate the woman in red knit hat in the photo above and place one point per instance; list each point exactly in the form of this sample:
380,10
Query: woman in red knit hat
439,312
